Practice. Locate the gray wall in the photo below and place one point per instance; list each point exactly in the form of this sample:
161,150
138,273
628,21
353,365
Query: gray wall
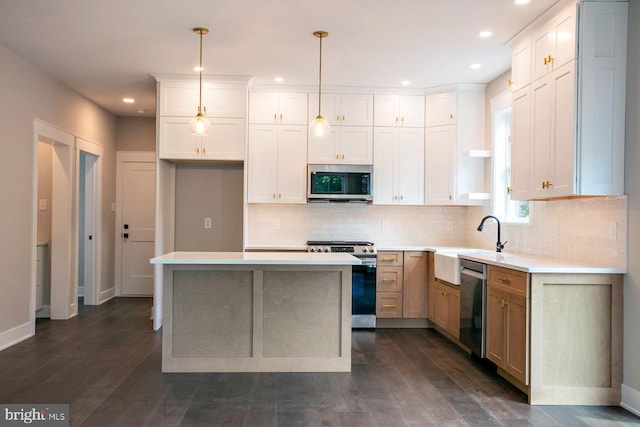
136,134
211,191
632,183
28,93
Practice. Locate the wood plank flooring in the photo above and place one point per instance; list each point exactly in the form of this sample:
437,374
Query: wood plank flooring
105,363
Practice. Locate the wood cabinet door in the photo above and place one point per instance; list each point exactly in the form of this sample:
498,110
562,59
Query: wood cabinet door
441,309
496,328
453,323
516,336
414,303
431,287
389,304
390,279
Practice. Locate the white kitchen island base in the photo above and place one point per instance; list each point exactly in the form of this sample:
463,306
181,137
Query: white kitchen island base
246,314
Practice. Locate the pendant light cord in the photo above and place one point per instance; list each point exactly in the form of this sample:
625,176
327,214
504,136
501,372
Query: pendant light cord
200,102
320,79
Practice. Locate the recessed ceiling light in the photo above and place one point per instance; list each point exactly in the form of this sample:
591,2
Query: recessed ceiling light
476,66
485,34
521,1
405,82
278,79
128,100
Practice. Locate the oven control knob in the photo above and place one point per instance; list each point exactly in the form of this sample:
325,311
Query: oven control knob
365,250
326,249
313,249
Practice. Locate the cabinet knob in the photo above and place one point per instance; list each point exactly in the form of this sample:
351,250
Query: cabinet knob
451,116
275,117
343,117
511,83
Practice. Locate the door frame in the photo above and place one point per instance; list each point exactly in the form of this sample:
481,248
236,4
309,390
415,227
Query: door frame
123,157
63,241
92,294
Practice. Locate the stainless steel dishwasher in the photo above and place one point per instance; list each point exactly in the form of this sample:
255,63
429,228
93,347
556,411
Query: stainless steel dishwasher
473,306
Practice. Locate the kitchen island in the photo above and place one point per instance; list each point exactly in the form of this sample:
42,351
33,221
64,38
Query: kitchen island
256,312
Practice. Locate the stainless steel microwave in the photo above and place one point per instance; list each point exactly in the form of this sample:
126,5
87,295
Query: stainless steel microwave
339,183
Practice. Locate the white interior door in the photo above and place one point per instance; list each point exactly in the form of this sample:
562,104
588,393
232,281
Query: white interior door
137,228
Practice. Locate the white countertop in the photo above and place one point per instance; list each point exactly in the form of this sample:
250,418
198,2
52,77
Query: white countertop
536,264
252,258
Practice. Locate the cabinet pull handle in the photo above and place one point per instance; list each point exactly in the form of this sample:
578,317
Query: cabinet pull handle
388,259
274,195
402,119
337,156
280,117
504,279
547,184
338,117
204,151
279,196
502,303
509,190
511,83
451,116
343,118
388,305
388,280
450,197
275,117
396,119
343,157
197,150
401,197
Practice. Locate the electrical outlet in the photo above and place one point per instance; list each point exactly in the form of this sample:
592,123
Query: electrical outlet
207,223
276,223
42,204
613,230
385,225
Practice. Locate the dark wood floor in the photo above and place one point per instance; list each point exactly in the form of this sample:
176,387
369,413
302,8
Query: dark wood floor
106,364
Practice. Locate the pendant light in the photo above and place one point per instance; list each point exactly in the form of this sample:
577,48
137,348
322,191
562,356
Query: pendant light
199,125
319,127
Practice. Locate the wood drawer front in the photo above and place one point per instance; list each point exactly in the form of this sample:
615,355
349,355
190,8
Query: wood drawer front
389,279
510,279
393,259
389,304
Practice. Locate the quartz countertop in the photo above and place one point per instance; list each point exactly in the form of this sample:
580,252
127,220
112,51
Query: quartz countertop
249,258
537,264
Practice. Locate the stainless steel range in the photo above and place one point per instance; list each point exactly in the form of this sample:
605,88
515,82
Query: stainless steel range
363,280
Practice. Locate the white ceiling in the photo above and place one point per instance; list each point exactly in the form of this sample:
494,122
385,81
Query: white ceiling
106,49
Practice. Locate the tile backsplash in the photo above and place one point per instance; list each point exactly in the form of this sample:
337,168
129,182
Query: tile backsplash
591,229
293,225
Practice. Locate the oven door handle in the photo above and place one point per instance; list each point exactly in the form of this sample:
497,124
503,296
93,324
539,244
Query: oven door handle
472,273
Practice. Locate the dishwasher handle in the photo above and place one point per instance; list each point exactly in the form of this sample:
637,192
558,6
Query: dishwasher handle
472,273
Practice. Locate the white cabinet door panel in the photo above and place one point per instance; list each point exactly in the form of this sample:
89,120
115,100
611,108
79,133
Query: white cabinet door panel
292,164
410,154
356,145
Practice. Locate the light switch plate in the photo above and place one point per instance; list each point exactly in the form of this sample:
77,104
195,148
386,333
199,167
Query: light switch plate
42,204
207,223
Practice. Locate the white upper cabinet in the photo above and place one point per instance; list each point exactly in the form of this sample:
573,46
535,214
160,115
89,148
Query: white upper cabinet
352,145
225,104
398,177
554,44
180,98
521,64
575,140
441,109
284,108
351,138
277,165
343,109
398,110
454,147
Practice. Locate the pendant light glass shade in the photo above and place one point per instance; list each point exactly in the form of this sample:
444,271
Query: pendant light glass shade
319,127
199,125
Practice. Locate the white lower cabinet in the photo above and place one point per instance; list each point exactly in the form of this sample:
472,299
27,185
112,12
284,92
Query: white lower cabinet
225,141
277,164
398,164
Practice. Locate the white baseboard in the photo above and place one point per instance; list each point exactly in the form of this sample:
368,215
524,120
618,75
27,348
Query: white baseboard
630,399
44,312
107,295
15,335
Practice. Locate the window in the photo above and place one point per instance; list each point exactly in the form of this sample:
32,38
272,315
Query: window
503,207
